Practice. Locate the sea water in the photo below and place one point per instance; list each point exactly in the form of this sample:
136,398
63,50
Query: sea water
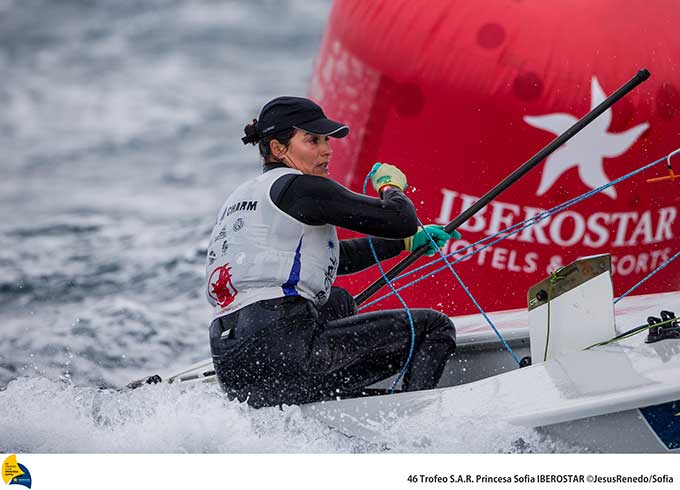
120,133
43,415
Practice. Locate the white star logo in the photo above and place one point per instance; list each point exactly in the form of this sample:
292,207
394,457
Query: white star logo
588,148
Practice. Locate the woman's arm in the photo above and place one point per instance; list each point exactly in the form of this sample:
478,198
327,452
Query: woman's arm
355,254
319,200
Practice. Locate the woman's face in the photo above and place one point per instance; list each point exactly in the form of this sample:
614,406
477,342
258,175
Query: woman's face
309,153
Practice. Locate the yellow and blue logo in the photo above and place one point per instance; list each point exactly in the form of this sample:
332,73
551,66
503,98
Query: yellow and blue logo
14,473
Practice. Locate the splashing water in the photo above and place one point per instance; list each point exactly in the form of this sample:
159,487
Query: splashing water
40,415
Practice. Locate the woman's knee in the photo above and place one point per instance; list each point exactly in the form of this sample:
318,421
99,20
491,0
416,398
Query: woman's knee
340,304
436,323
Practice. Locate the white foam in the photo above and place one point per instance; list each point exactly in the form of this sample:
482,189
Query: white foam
40,415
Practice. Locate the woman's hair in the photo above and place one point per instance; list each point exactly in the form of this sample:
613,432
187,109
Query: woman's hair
253,138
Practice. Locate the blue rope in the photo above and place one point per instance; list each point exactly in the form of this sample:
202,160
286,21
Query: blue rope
508,232
432,273
401,300
647,277
467,291
503,234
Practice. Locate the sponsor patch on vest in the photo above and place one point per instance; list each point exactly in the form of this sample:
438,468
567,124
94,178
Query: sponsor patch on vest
222,289
238,224
240,206
222,234
329,275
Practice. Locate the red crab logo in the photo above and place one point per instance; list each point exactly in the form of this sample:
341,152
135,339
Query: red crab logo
222,290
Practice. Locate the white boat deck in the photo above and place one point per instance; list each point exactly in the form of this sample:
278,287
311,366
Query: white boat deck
609,379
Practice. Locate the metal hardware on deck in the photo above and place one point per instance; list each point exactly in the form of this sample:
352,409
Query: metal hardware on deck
667,331
571,276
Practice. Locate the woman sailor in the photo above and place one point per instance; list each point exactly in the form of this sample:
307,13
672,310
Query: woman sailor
281,333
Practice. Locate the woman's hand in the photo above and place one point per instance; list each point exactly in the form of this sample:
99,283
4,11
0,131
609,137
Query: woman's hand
384,174
438,234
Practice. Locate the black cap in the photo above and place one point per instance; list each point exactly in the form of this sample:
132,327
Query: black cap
295,112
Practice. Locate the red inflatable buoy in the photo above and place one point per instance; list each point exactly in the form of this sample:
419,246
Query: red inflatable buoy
459,94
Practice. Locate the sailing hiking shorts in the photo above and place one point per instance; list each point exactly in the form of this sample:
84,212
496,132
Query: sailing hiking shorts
288,351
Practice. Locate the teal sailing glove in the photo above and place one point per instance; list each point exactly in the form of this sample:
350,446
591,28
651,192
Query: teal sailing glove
437,233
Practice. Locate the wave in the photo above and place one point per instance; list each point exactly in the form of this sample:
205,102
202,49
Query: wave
39,415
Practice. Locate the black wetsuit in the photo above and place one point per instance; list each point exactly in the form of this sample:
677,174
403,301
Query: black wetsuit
287,350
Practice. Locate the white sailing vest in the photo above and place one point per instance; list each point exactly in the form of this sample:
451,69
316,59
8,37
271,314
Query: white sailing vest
258,252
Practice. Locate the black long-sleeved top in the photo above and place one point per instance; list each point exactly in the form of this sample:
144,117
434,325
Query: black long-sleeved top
317,201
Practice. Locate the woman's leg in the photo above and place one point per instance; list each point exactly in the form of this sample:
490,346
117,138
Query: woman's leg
340,304
271,353
357,351
258,349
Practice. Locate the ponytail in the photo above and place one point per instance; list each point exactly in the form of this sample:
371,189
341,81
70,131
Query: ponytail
251,136
254,138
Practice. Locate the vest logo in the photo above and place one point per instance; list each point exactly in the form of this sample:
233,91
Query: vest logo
239,206
238,224
329,275
222,290
242,206
222,234
587,149
14,473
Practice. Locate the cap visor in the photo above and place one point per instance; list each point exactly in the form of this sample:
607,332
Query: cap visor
325,127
